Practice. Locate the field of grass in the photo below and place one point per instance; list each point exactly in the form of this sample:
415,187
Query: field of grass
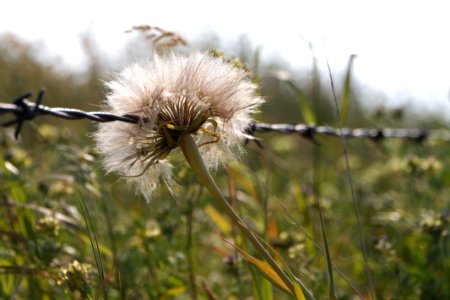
70,231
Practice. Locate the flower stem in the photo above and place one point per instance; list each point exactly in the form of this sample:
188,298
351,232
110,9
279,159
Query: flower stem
190,151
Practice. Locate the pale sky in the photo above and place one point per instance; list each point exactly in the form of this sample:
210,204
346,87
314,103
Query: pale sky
403,47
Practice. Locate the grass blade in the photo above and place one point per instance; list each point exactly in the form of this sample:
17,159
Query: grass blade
346,92
306,110
94,242
219,219
352,190
264,267
332,291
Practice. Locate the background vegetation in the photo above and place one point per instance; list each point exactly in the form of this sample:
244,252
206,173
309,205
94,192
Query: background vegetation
68,230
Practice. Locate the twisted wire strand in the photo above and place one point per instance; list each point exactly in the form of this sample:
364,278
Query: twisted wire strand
372,133
25,110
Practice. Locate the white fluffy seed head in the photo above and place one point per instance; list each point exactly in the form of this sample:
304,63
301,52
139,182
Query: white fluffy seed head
174,95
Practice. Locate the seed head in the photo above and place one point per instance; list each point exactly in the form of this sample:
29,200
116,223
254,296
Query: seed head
175,95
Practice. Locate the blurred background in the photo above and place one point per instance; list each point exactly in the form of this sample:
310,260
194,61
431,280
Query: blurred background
68,230
402,51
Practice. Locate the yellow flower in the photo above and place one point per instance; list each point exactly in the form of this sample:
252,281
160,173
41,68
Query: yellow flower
173,96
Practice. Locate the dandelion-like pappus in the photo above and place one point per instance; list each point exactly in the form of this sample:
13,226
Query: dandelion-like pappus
175,95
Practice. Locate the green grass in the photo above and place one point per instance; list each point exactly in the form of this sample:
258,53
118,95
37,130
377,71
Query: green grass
57,206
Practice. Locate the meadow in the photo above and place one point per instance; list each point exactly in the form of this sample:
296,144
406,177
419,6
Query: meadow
357,218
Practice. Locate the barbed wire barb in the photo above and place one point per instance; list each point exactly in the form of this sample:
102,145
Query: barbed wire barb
25,110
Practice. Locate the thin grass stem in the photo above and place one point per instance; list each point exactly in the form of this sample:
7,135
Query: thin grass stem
189,247
359,229
94,244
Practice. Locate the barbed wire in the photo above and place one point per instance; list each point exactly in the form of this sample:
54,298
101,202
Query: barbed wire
25,110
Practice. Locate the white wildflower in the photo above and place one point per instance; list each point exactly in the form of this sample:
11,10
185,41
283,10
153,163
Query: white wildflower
173,96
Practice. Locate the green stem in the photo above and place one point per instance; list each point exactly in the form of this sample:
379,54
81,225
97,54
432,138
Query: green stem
190,151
